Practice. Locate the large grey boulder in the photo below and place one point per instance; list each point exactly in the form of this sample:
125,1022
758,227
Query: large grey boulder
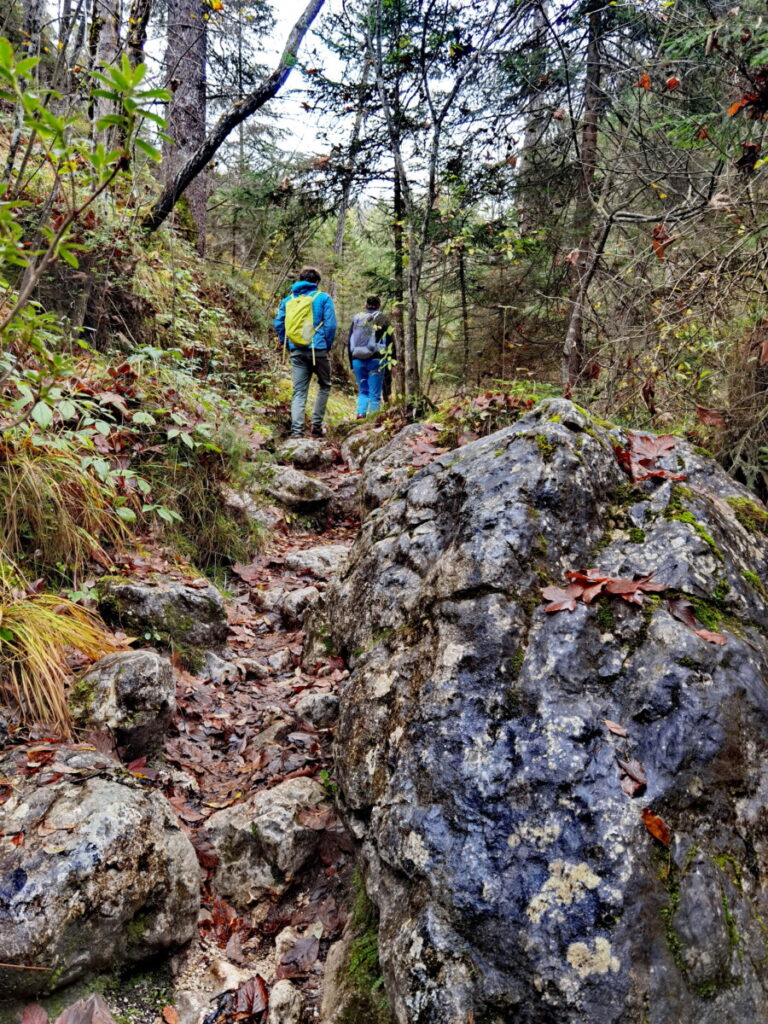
515,879
98,873
132,694
262,842
165,611
296,490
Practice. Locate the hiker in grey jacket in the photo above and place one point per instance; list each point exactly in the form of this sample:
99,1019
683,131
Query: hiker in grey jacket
369,336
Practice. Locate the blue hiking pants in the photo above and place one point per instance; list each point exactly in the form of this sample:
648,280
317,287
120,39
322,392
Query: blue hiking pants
369,377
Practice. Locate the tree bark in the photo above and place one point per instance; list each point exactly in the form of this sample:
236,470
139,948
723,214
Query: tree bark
138,19
229,120
573,348
464,310
399,283
528,206
185,60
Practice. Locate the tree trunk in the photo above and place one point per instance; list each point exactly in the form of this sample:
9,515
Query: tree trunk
537,118
185,59
138,19
229,120
464,311
573,348
399,284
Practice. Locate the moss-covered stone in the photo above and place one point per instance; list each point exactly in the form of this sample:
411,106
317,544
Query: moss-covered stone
676,510
749,514
363,981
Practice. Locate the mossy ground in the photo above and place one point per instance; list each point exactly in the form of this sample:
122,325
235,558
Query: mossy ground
367,1001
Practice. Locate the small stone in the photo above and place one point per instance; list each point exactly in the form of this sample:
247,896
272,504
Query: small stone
306,453
319,709
323,561
284,1003
217,669
280,661
130,693
167,611
297,602
296,490
251,667
262,845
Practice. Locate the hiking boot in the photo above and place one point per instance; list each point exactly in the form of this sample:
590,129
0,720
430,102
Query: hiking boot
315,431
359,416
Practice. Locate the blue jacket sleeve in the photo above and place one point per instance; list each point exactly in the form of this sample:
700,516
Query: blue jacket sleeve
280,320
329,321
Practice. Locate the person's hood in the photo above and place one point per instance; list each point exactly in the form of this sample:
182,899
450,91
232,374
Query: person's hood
303,288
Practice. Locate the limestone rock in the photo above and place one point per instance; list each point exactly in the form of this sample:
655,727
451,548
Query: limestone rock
306,453
514,878
297,602
261,844
165,611
132,694
323,561
390,467
247,505
360,444
284,1003
319,709
296,490
104,874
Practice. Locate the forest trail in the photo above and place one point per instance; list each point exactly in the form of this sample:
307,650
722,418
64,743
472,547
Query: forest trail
238,732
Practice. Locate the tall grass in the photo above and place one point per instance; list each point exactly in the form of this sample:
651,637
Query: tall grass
37,632
53,511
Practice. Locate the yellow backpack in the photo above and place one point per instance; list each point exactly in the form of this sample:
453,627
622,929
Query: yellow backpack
299,326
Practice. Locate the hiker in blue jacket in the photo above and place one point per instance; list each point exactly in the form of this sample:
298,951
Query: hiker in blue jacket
370,336
306,323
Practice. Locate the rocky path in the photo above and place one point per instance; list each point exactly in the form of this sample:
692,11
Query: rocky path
248,771
90,855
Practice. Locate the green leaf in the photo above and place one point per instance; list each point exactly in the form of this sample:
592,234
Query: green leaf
126,514
150,151
6,635
145,418
66,409
42,414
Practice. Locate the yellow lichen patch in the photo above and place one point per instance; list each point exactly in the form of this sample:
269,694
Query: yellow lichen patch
598,961
566,884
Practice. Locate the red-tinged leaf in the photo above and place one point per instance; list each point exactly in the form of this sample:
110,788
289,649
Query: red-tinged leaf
710,417
170,1015
247,573
558,594
651,586
137,765
702,133
590,593
92,1010
619,586
33,1013
657,827
644,81
635,771
296,961
682,610
764,352
673,83
615,728
631,786
316,818
18,839
710,637
568,605
252,996
735,108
